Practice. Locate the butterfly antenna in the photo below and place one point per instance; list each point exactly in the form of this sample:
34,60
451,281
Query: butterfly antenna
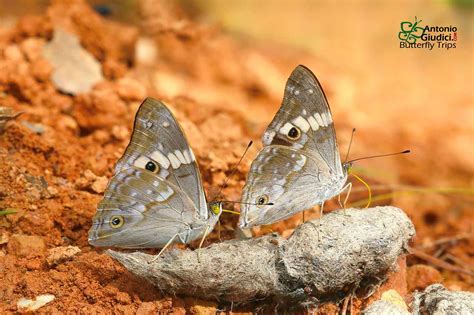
244,203
377,156
248,203
350,144
234,169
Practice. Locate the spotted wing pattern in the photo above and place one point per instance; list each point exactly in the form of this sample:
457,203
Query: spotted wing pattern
299,166
156,193
152,211
158,138
306,109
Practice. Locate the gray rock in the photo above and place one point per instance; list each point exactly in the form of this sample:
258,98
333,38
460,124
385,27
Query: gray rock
34,127
437,300
316,264
75,69
384,307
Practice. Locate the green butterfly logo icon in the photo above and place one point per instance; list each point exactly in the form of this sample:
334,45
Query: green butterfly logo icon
410,32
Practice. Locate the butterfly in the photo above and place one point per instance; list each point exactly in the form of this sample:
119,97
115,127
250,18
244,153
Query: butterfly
299,166
156,196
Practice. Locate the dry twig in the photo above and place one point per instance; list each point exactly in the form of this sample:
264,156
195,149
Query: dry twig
438,262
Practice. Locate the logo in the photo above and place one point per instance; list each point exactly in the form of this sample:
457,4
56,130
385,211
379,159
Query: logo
414,35
410,32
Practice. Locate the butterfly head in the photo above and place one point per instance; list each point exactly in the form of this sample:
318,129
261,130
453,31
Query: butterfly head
347,166
215,208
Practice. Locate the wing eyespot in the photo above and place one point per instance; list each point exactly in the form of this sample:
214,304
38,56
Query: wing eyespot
294,133
261,200
152,167
116,221
144,162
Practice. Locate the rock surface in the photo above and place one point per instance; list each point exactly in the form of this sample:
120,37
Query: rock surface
38,302
317,263
437,300
26,245
384,307
61,254
75,69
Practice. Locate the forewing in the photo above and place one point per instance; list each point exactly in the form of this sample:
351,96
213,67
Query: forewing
306,109
157,137
153,212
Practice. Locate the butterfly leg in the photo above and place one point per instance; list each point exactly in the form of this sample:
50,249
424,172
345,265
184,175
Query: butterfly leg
164,247
347,303
202,241
348,187
321,210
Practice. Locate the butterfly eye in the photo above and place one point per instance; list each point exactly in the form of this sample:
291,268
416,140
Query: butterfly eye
261,200
216,208
116,221
151,166
294,133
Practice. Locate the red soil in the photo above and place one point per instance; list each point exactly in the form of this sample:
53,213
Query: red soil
224,92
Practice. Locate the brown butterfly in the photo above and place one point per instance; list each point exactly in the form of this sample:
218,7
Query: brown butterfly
156,196
299,166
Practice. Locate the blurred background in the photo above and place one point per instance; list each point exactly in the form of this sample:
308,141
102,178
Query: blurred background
380,87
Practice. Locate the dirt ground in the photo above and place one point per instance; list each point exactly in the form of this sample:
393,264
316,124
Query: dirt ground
56,157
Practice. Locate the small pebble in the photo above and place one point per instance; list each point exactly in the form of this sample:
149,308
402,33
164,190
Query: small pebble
4,238
35,127
33,305
61,254
100,184
120,132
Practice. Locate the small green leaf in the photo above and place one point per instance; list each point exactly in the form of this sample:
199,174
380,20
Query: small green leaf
7,211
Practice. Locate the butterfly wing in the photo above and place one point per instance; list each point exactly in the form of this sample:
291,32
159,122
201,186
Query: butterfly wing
142,210
305,111
290,180
158,138
299,165
156,193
